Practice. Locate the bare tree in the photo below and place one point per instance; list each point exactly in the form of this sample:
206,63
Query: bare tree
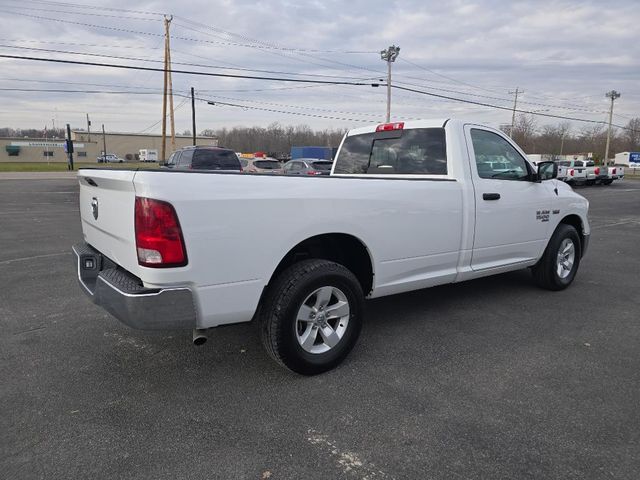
632,135
524,131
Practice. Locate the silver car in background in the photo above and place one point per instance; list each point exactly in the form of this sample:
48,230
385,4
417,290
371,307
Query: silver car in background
307,166
261,165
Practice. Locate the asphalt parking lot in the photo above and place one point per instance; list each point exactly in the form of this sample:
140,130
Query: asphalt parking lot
491,379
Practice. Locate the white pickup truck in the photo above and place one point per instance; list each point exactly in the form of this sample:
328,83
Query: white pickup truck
407,206
573,172
614,173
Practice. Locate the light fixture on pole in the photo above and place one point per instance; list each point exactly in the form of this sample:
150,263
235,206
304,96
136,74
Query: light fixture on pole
389,55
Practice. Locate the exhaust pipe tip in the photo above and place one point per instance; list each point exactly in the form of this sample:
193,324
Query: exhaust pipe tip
199,337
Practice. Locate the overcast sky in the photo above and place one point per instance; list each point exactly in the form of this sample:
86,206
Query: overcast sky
565,55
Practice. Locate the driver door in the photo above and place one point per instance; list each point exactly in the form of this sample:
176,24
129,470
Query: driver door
512,211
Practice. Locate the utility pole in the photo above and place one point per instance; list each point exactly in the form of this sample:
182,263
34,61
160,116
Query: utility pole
167,76
612,95
69,148
193,115
171,116
88,129
389,55
515,105
104,145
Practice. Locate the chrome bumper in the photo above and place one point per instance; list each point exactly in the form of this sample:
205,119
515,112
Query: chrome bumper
122,295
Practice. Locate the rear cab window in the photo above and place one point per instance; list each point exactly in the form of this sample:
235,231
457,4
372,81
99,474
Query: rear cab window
322,166
210,159
414,151
267,164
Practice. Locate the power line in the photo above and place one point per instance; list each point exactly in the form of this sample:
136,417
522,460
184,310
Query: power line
445,76
119,57
284,53
302,114
298,80
187,72
500,107
125,30
92,7
270,46
138,59
265,45
178,94
76,44
92,14
56,90
301,107
150,127
234,90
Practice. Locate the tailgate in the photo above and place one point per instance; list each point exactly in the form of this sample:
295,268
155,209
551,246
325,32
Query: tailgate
107,201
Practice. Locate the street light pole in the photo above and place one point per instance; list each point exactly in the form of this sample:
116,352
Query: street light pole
612,95
389,55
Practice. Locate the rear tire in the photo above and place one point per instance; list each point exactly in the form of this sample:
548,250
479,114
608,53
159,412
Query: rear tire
312,316
560,261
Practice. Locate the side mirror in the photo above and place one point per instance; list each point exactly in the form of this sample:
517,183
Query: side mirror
547,170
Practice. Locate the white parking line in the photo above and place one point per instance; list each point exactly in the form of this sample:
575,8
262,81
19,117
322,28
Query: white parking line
623,222
34,257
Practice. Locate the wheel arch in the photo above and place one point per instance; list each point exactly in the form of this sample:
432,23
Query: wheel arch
576,222
341,248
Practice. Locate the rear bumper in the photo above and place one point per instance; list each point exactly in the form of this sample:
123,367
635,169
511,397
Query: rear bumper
123,295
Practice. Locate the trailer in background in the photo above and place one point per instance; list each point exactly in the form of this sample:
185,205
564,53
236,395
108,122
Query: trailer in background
148,155
321,153
630,159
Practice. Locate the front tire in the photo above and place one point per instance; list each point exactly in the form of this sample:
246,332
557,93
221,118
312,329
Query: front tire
560,261
312,316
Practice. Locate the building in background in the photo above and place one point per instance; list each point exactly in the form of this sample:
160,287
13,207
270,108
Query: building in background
124,145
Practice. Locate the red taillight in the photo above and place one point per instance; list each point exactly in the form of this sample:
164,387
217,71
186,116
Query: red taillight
314,172
571,172
597,170
158,235
383,127
613,171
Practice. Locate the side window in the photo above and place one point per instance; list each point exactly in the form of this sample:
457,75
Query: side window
185,159
496,158
297,166
173,159
417,151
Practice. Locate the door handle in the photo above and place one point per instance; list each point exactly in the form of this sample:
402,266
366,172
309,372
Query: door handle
491,196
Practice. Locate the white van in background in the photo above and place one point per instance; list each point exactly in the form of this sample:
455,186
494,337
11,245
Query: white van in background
147,155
